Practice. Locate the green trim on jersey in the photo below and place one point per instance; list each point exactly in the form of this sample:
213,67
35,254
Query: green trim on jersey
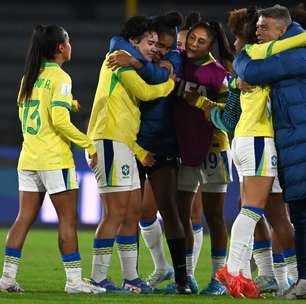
113,84
121,70
269,49
64,104
115,78
49,64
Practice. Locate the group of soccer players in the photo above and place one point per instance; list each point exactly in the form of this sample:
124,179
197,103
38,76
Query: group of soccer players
158,141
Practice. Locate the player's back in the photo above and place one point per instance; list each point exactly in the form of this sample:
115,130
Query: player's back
43,147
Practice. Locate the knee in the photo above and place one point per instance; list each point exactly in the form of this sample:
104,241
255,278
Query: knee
133,216
215,220
115,216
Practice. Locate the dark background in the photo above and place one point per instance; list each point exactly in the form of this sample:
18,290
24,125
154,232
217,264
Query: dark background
90,25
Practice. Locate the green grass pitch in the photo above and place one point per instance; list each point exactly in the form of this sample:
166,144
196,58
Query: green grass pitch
43,278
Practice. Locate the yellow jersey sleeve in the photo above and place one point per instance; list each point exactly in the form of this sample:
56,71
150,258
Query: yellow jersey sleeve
61,122
203,101
143,91
61,95
61,104
140,152
261,51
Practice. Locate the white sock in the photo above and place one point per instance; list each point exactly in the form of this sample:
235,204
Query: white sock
72,264
197,243
216,263
127,250
9,271
153,238
246,264
262,253
10,265
218,257
242,230
291,267
101,259
281,277
189,264
280,270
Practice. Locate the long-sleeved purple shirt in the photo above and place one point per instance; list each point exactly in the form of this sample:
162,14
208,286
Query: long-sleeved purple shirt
194,132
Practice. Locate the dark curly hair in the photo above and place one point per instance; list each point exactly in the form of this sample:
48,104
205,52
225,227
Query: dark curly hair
242,23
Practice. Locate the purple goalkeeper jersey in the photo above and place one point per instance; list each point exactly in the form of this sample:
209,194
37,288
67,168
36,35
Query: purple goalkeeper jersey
194,132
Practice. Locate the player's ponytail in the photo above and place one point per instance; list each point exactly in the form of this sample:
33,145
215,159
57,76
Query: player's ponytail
43,46
225,54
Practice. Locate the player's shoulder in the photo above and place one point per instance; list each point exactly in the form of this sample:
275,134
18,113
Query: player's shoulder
62,76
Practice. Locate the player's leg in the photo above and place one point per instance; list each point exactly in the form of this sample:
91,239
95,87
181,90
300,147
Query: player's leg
31,195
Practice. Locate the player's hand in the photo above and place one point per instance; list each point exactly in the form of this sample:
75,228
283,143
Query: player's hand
192,96
93,160
119,60
244,86
166,64
149,160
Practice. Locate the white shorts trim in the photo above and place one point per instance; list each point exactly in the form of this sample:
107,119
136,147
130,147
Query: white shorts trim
254,156
212,175
276,188
51,181
116,169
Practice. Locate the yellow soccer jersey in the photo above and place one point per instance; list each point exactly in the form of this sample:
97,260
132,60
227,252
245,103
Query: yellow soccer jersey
45,120
115,114
256,116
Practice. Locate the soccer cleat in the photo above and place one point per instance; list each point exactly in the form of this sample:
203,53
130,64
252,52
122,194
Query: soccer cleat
169,289
290,282
83,286
214,288
266,283
230,282
174,288
14,287
159,276
300,289
109,286
136,286
192,283
249,288
290,294
183,289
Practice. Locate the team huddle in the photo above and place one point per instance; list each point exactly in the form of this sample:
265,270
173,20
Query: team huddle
173,109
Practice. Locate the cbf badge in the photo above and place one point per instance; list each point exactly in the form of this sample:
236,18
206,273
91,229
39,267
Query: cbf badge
274,160
125,169
65,89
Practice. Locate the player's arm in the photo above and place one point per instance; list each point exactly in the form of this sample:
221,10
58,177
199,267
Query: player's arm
154,73
130,56
61,122
143,91
271,69
228,118
261,51
61,105
150,72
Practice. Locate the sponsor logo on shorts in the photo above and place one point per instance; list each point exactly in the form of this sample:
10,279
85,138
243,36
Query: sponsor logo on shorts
125,169
274,160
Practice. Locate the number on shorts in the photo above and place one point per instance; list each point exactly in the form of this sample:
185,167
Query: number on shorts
34,117
212,161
